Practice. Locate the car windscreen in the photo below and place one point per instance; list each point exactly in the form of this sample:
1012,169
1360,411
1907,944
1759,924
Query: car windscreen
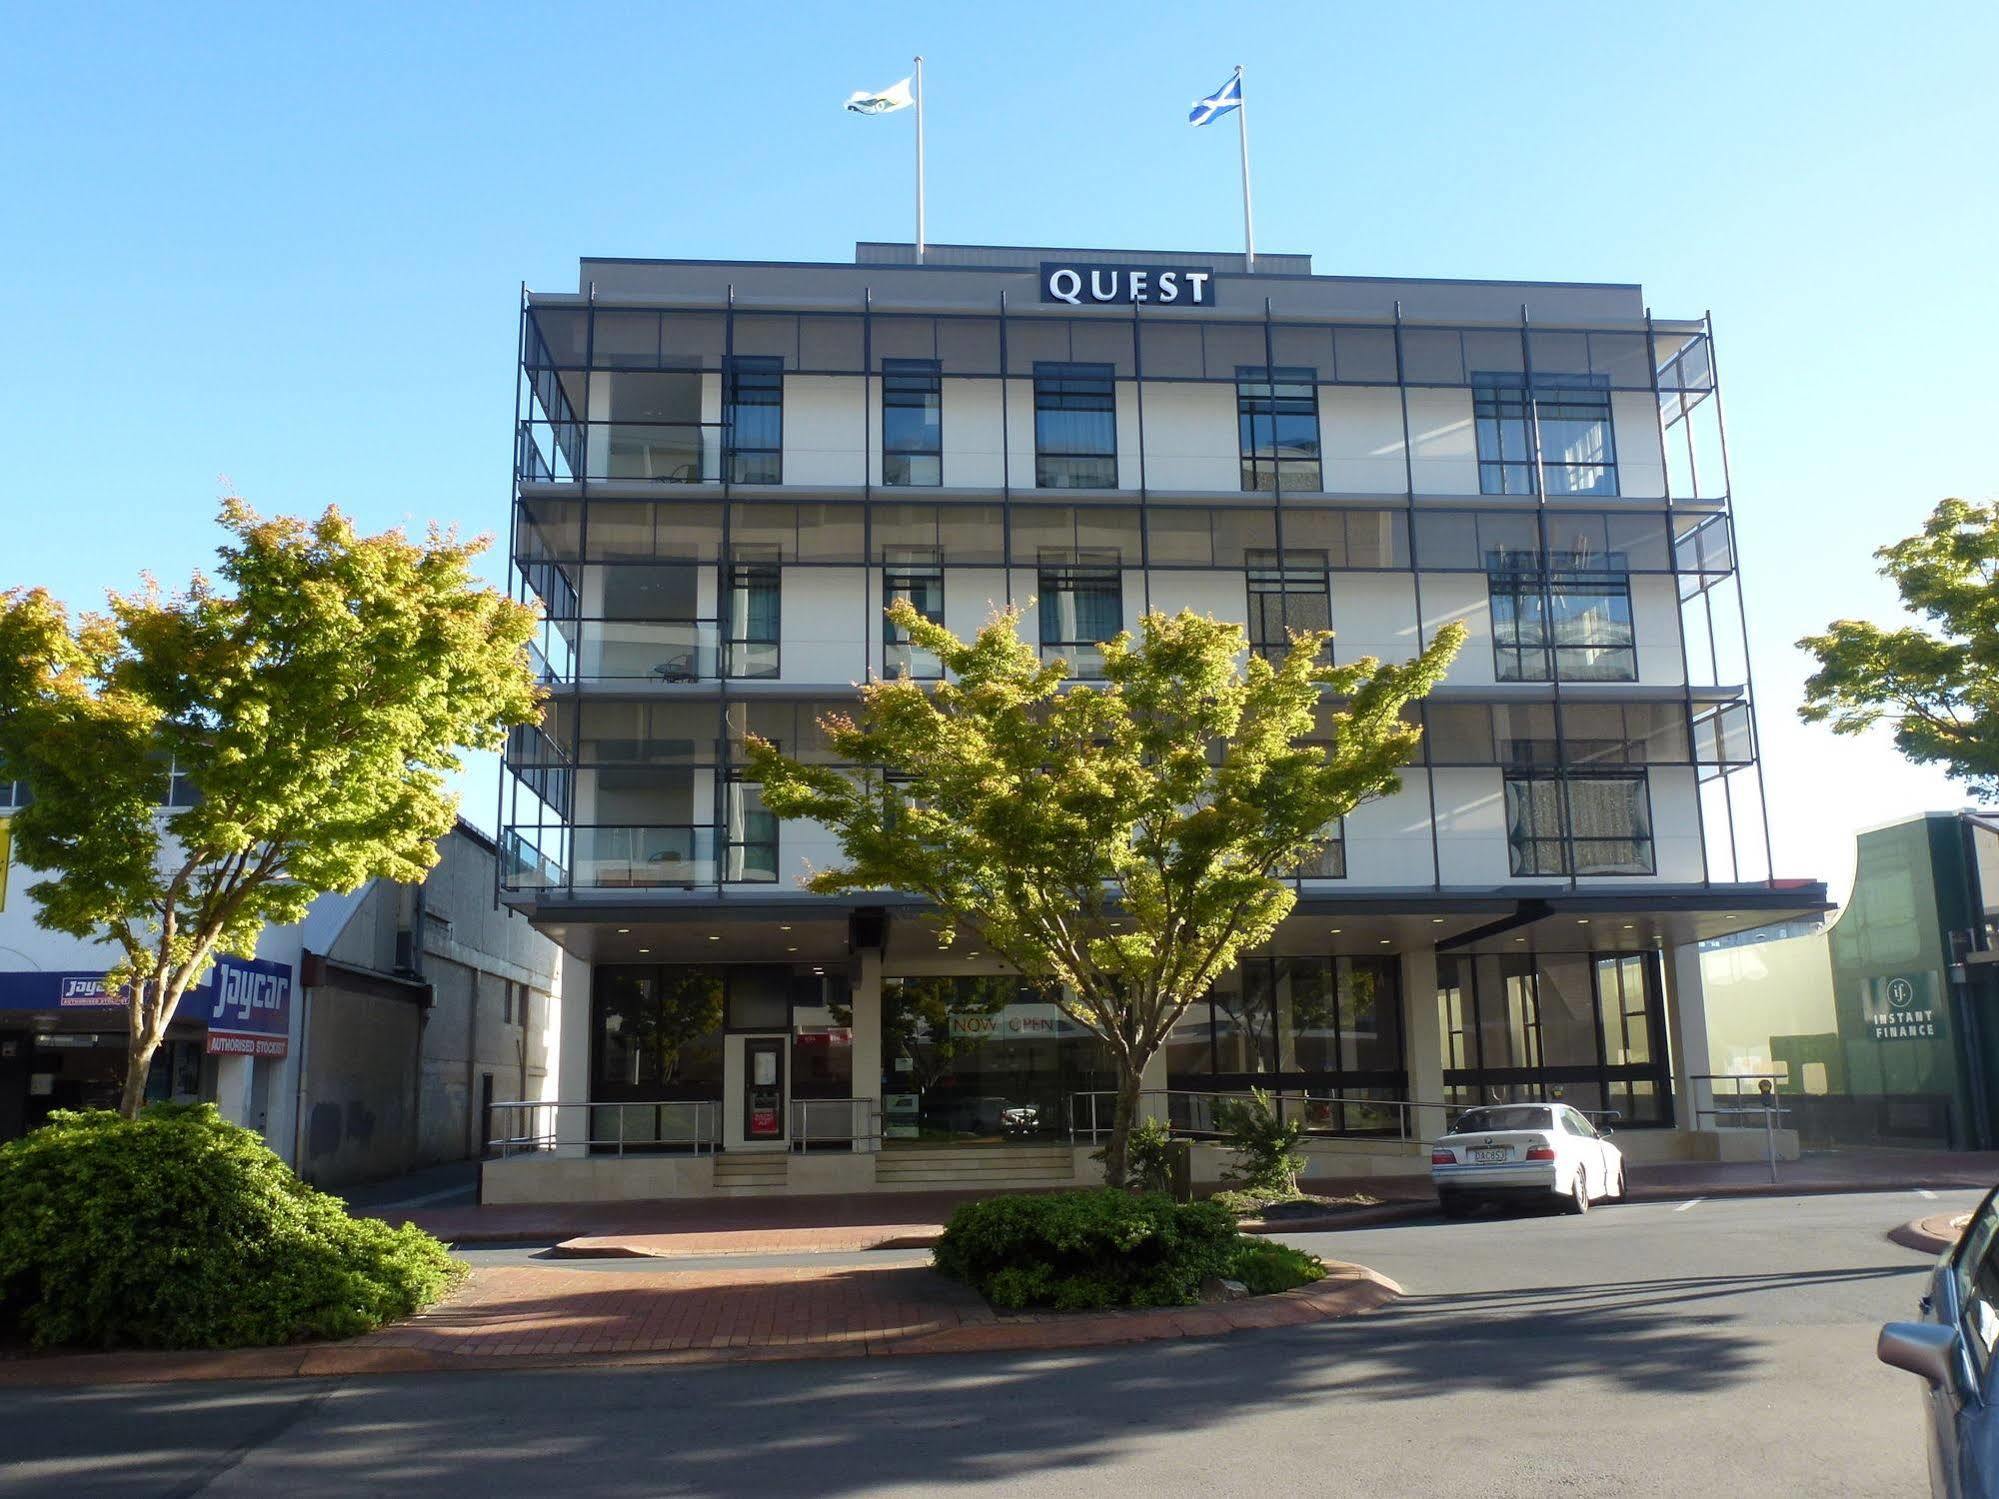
1517,1116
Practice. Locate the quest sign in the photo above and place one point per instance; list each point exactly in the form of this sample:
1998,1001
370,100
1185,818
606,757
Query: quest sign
1122,285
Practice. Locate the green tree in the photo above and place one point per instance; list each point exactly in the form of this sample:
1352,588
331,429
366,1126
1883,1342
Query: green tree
1936,682
1119,844
314,698
916,1021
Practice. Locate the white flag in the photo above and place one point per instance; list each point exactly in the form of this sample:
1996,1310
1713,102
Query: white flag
888,101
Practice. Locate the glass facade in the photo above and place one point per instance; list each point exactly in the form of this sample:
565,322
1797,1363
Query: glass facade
1585,1029
716,501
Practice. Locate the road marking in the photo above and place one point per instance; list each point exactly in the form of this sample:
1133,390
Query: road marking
1926,1192
1691,1202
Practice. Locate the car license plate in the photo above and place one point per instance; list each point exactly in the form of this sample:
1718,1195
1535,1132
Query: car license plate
1489,1157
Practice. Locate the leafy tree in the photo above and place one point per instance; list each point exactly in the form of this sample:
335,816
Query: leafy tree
1936,683
315,701
916,1021
1119,844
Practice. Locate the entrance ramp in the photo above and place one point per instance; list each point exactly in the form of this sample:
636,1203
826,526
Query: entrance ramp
975,1168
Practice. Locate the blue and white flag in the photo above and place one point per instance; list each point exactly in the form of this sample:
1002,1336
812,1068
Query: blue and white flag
1219,103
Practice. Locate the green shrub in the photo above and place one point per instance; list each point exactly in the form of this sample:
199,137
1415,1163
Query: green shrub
180,1230
1148,1158
1266,1267
1264,1143
1238,1204
1076,1251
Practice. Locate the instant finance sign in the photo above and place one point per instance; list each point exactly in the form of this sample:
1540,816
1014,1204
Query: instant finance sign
1900,1007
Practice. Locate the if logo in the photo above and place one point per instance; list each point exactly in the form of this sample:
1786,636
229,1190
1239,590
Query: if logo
1901,994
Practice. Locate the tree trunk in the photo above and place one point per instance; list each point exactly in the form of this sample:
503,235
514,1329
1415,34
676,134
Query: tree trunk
138,1062
1117,1154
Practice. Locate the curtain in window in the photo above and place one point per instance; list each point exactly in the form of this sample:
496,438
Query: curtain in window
1613,832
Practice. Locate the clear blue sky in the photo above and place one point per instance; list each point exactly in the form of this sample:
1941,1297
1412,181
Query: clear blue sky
284,243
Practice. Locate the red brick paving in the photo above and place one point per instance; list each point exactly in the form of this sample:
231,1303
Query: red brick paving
516,1316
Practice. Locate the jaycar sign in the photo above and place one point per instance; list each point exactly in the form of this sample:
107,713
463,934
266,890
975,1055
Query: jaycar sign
1121,285
248,1007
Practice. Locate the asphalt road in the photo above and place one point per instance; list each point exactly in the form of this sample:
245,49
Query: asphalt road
1723,1348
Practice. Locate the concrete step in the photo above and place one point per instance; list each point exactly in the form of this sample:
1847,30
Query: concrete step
749,1172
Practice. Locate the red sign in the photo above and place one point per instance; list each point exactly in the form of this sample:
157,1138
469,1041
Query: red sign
763,1122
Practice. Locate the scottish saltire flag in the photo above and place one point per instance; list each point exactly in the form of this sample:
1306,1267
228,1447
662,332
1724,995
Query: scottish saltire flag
887,101
1220,102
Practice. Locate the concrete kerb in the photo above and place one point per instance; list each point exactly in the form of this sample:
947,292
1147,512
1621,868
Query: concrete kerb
1347,1291
1931,1235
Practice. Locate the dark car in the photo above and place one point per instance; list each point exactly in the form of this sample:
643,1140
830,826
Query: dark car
1952,1348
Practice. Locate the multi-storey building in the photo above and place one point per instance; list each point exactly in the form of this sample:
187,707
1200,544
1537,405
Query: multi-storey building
726,470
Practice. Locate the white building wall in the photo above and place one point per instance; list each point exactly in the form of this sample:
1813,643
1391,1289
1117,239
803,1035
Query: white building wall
1360,438
1461,598
974,449
825,429
1223,594
1373,614
1191,441
1655,625
1444,447
822,630
1471,827
1388,840
1641,461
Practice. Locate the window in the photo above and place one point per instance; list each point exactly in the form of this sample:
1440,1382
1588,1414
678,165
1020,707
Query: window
754,616
912,422
751,850
1568,623
1567,415
1277,417
921,581
753,420
1075,426
1578,824
1579,1031
1286,596
1329,860
180,790
1081,607
13,795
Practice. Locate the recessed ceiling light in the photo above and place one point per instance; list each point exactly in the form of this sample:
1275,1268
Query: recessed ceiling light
713,937
645,949
1385,942
791,949
1628,926
1336,931
1519,939
1436,921
784,928
1582,921
623,930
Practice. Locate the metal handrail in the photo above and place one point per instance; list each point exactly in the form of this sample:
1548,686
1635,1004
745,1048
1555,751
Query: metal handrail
1096,1124
537,1125
855,1122
1768,1113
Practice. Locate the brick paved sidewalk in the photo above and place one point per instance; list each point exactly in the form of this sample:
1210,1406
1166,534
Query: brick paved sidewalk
521,1316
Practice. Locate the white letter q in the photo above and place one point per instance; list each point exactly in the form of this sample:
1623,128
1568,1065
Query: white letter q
1066,286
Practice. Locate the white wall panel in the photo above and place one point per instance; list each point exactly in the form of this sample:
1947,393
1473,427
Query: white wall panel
1191,441
1374,614
1360,439
825,429
825,616
1446,451
1127,434
1655,624
1471,827
1461,598
1223,594
1388,841
971,597
974,453
1641,464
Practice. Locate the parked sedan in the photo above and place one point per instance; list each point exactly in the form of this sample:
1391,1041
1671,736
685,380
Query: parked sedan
1535,1151
1953,1349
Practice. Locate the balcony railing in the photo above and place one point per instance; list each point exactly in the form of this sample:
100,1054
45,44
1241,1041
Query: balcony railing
548,452
617,857
629,650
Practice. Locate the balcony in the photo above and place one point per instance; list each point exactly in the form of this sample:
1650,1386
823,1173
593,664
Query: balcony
548,452
659,651
657,857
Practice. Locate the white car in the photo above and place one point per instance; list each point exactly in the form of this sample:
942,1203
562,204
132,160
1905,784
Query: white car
1524,1150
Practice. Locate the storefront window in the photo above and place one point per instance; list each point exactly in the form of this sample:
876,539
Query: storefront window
658,1032
1576,1027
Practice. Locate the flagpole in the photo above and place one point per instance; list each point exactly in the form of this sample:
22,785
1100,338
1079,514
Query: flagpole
1242,134
919,161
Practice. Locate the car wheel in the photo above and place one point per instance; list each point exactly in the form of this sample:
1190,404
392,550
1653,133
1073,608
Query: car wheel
1579,1192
